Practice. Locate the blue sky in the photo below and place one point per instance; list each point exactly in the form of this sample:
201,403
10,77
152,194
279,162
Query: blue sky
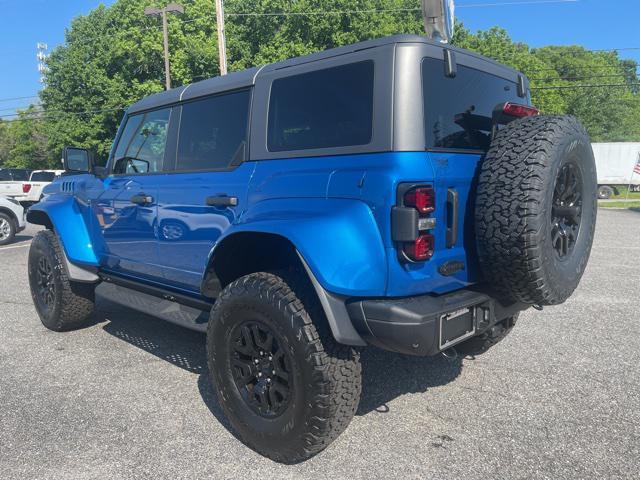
595,24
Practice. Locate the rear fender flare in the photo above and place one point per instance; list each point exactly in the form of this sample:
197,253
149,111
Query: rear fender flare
338,239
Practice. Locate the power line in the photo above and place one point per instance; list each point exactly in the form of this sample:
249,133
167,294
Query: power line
41,113
16,98
511,4
332,13
595,67
608,85
590,77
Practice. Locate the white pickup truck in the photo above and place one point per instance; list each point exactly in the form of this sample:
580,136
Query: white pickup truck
30,191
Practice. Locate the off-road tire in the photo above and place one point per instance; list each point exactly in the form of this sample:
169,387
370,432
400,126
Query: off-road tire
72,302
605,192
327,376
11,224
514,205
482,343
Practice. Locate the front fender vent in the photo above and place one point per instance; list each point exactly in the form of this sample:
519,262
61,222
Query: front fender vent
68,186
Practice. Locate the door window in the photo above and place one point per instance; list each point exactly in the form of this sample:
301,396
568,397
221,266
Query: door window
142,144
213,132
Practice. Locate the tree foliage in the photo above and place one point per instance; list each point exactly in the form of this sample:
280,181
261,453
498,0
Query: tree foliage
113,56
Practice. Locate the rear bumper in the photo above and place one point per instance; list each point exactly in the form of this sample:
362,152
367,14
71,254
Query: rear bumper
427,324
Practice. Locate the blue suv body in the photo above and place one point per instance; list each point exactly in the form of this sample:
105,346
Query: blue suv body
397,192
206,182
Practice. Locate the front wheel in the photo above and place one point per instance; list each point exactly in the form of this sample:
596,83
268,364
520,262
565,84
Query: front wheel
61,303
286,386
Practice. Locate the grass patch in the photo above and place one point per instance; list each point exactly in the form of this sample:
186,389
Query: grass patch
623,194
621,204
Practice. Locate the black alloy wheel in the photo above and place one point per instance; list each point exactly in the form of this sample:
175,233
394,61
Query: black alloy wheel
61,303
46,290
566,209
261,368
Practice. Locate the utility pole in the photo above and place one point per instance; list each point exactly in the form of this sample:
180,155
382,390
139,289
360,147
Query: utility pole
171,8
222,42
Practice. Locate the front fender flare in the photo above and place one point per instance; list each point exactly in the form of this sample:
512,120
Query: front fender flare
68,220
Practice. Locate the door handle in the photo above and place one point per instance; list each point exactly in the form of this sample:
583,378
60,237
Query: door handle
142,199
222,201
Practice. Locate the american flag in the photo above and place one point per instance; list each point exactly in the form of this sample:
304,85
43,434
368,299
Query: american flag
636,169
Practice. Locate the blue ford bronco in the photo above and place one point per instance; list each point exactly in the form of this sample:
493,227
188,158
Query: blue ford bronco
399,193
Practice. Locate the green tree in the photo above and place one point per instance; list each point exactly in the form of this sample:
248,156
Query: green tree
24,141
113,56
5,142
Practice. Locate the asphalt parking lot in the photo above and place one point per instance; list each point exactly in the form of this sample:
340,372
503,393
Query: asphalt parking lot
128,397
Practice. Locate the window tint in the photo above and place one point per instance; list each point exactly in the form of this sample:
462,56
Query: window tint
15,175
43,176
458,110
142,143
213,132
321,109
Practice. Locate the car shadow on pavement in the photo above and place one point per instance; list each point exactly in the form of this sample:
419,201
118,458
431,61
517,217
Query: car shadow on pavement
22,238
386,375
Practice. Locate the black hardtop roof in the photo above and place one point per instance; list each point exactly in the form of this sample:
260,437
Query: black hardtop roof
247,78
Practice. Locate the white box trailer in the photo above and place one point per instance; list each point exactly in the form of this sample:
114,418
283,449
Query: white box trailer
615,163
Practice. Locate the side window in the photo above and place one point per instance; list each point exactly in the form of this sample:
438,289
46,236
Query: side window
322,109
142,143
213,132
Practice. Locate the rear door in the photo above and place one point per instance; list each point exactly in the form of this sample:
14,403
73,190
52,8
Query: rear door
206,192
126,211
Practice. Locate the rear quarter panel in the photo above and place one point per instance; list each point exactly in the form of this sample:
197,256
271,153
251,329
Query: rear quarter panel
337,212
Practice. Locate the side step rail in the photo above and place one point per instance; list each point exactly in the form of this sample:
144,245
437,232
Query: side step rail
156,305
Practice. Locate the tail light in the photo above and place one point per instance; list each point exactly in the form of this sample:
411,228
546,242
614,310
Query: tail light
519,111
421,198
411,222
26,187
421,249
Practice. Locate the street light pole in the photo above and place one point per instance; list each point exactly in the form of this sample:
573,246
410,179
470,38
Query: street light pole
222,42
171,8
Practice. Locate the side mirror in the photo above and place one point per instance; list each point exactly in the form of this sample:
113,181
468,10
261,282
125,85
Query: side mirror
76,160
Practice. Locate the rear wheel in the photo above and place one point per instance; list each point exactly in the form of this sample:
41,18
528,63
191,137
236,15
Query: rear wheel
286,386
536,209
605,192
61,303
7,229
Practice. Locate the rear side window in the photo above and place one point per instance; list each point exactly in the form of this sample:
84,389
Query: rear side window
43,176
142,144
322,109
458,110
213,132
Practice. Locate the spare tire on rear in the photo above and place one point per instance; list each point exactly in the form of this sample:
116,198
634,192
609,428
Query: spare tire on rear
535,209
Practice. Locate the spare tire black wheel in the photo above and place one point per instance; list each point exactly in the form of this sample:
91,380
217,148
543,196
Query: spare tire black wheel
535,210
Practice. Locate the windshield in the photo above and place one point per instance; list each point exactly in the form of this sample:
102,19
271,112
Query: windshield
43,176
458,110
13,175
